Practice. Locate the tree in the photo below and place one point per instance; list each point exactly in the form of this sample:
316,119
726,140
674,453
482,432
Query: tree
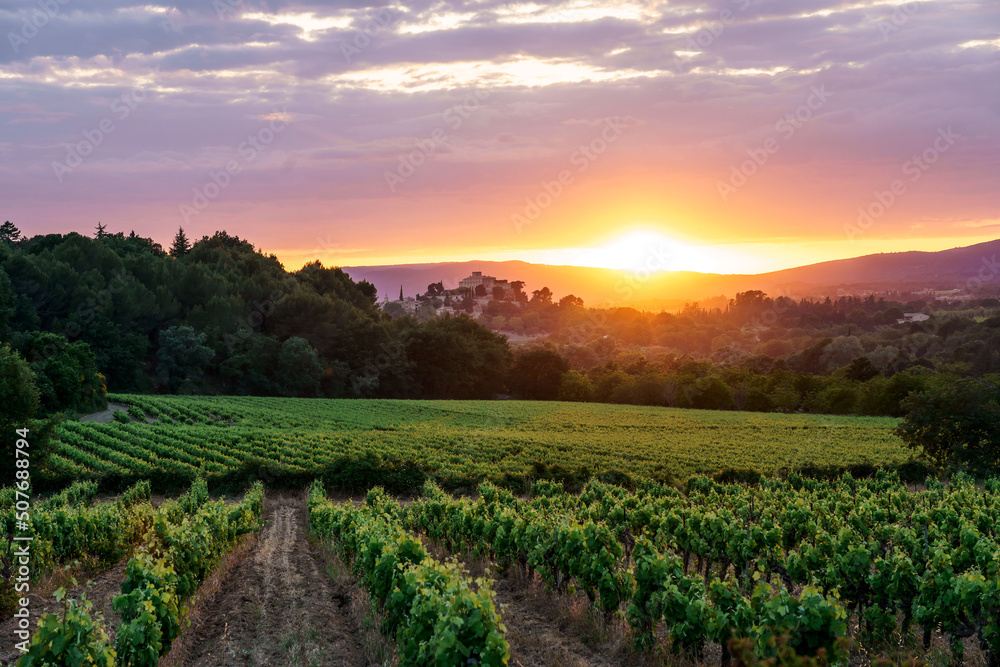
9,233
394,309
537,373
400,292
182,357
955,424
19,404
481,290
299,370
455,357
65,373
543,295
575,386
498,293
468,302
101,233
862,370
705,393
570,300
840,352
181,245
20,395
433,288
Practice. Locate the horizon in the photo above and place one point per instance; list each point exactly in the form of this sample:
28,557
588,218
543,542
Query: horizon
640,256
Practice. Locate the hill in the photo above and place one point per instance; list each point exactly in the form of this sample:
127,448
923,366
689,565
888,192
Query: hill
903,271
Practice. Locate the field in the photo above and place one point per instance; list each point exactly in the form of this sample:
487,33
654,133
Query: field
456,443
529,559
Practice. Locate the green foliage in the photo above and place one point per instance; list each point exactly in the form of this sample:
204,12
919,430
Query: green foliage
17,386
66,530
438,617
20,399
182,357
448,623
955,424
65,373
575,386
77,493
356,444
861,370
9,233
181,244
537,373
69,639
150,612
187,539
454,357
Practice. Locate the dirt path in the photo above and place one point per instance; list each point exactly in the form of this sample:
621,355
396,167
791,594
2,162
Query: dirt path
105,416
540,631
276,606
100,588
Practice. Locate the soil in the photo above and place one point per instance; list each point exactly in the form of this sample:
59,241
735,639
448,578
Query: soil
276,605
537,633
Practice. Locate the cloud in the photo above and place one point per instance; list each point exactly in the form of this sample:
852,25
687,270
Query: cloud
360,85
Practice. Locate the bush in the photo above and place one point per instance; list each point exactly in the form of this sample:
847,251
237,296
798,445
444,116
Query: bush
957,424
575,386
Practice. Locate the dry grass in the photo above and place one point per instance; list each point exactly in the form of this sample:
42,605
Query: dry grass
378,649
201,602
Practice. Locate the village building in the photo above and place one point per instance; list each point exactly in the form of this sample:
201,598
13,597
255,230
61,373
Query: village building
488,282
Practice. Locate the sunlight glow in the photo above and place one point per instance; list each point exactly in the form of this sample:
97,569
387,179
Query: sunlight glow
640,250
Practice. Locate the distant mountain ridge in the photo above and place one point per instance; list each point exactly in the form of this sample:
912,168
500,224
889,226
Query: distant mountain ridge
905,271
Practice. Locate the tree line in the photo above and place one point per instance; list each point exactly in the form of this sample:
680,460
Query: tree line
84,315
116,312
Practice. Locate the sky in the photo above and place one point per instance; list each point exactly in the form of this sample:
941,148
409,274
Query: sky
742,135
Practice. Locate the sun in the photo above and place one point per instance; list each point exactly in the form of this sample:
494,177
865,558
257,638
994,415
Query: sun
646,250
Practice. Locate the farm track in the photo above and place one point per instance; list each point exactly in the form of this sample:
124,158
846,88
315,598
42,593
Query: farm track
276,605
540,633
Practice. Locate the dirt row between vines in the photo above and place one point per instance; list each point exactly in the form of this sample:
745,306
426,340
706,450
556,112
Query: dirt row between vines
279,606
273,602
276,606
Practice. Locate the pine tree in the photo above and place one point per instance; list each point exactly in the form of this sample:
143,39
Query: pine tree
100,231
9,233
181,244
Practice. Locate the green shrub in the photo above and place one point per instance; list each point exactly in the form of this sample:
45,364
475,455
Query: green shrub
72,639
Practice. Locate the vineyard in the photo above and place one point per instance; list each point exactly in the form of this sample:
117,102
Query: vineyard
486,549
172,549
357,444
842,569
798,560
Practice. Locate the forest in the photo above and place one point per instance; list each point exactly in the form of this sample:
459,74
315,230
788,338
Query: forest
115,312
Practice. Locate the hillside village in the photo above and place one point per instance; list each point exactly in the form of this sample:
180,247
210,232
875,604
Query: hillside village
470,296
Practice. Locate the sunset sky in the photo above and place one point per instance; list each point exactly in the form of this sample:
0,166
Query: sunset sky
743,134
